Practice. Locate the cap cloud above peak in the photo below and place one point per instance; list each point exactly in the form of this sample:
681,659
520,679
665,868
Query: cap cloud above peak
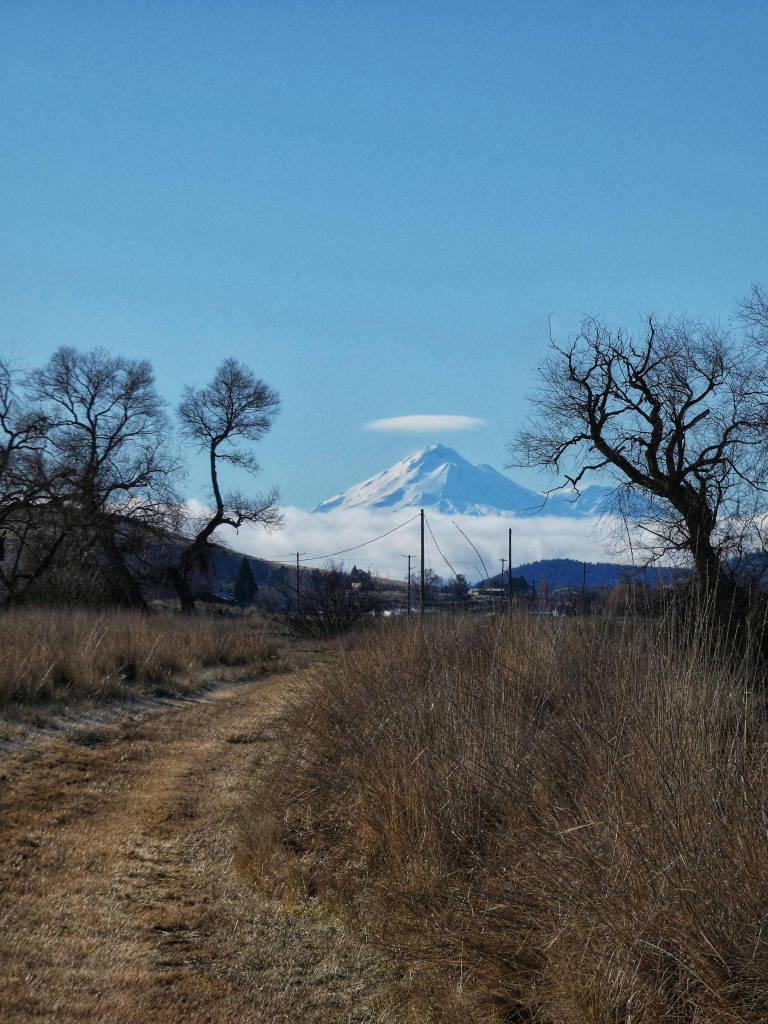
425,424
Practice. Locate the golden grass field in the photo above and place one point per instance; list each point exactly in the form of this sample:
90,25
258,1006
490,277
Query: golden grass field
65,655
566,817
463,820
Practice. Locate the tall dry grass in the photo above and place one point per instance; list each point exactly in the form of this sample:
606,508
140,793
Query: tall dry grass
569,816
52,653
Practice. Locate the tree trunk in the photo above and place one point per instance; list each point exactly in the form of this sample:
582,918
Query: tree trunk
126,584
723,600
184,592
189,559
705,557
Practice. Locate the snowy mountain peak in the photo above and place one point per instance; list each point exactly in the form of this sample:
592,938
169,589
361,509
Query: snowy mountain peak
439,478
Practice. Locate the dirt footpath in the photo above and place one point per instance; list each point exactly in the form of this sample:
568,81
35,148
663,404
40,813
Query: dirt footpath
121,900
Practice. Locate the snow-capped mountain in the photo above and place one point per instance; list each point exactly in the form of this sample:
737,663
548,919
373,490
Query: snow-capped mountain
440,479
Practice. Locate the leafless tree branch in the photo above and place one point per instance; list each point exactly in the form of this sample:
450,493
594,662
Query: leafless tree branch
677,419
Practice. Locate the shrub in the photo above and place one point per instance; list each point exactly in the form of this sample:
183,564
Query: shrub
333,602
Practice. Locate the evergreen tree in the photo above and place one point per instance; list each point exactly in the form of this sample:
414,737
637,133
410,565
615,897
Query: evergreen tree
360,576
460,588
245,584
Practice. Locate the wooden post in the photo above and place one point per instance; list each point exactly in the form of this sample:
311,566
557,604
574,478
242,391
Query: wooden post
421,588
509,573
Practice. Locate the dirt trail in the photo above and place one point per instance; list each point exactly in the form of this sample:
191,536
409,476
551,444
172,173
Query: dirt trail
121,899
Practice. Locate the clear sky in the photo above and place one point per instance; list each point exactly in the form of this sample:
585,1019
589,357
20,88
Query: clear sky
376,205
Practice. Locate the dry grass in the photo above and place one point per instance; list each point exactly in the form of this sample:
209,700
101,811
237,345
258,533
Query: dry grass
49,654
568,817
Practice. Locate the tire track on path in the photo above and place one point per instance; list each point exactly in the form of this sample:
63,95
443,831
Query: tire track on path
120,899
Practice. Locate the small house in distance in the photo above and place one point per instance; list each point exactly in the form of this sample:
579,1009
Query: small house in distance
482,590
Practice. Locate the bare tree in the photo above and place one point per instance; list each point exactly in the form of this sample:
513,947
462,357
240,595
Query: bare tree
433,583
752,314
332,601
106,435
676,418
29,540
234,408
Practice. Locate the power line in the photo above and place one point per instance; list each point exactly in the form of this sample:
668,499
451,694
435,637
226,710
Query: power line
315,558
441,553
466,538
344,551
356,547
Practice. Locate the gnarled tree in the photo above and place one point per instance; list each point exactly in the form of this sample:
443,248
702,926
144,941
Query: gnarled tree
234,408
30,532
105,448
676,418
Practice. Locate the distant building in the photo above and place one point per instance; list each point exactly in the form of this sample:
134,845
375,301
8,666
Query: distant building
486,591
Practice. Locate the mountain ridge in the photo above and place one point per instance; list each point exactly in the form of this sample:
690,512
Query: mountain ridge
569,572
437,477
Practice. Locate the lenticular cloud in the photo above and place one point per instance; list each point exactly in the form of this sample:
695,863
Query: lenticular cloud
425,424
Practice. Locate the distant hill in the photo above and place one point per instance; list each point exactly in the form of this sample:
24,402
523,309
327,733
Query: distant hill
223,564
216,574
567,572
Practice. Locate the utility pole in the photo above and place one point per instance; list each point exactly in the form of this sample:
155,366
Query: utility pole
409,557
297,582
501,581
509,573
421,588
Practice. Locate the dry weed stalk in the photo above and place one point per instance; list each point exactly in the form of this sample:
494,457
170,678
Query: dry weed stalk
564,813
49,653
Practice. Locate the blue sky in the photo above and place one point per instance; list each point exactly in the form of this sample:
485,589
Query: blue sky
376,205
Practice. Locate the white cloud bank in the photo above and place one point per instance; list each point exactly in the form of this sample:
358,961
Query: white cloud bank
314,534
426,424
